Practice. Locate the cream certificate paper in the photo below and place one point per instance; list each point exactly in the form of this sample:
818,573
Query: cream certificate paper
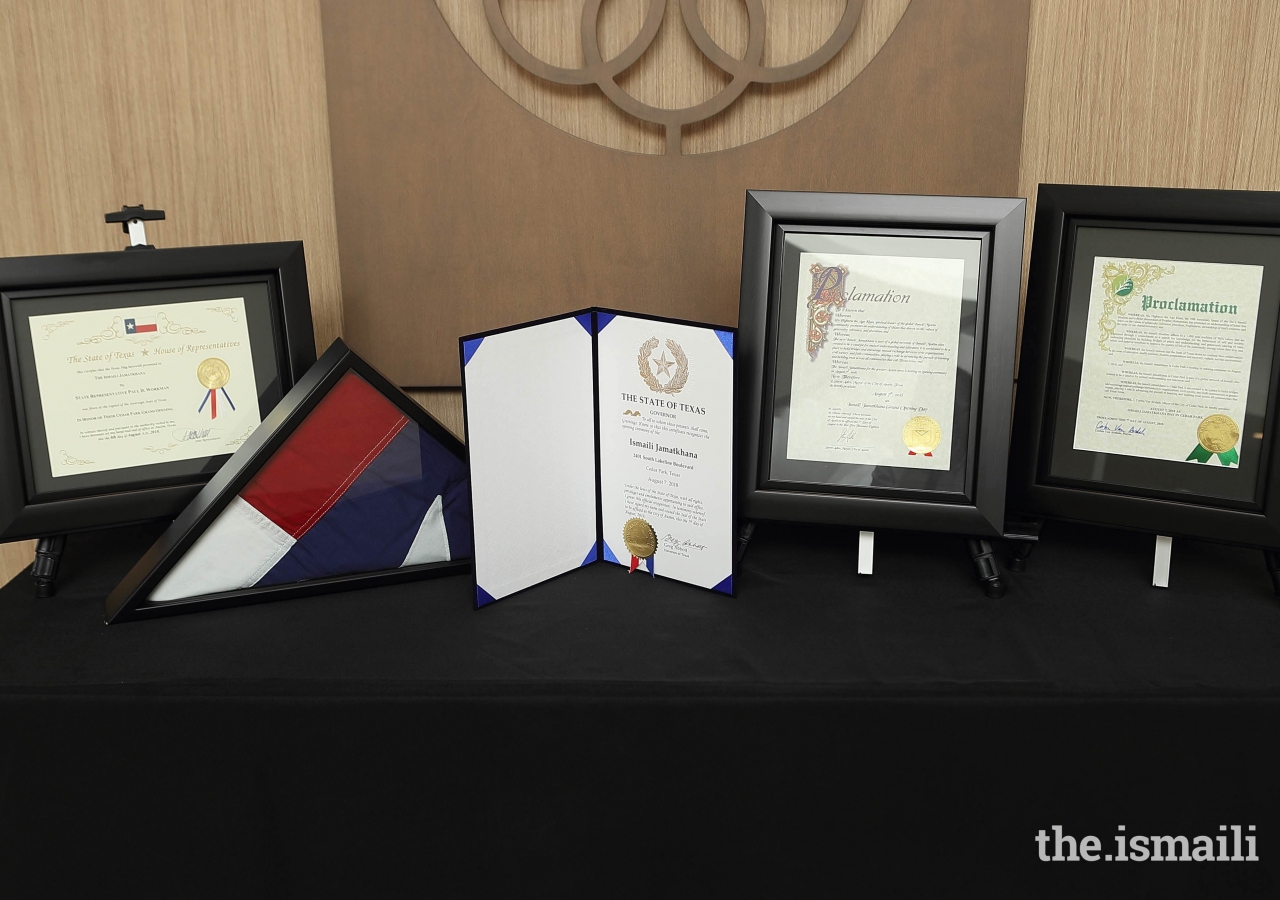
666,445
873,377
143,385
1166,359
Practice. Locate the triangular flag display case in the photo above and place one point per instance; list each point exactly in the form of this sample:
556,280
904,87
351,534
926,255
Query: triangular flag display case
347,483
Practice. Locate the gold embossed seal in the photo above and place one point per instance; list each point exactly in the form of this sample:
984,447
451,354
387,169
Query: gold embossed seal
922,435
213,373
640,538
1218,433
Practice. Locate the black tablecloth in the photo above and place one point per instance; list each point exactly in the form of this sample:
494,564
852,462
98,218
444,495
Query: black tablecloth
821,732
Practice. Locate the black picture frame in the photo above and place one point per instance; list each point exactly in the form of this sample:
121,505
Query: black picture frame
281,267
127,602
979,510
1061,211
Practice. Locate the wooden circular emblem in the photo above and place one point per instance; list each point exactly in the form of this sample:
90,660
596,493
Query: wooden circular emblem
1218,434
921,434
614,48
213,373
639,537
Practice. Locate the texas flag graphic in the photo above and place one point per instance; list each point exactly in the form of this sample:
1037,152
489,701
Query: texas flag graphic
358,487
139,326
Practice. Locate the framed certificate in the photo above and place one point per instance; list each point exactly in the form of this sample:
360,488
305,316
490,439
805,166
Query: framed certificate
1148,387
877,348
347,483
129,378
600,436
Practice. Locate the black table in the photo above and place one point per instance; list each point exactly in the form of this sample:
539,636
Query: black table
820,733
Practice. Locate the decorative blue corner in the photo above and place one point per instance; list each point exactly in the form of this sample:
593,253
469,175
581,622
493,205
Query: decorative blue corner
584,319
592,555
469,349
483,597
603,319
726,338
726,586
608,554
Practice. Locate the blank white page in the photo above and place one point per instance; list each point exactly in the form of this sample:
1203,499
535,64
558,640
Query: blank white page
531,442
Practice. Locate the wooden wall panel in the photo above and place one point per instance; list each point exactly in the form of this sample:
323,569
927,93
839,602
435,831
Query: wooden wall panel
15,557
673,73
1174,93
492,216
213,111
443,403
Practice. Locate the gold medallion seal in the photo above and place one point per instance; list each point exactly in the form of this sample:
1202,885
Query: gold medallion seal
921,434
213,373
640,538
1218,434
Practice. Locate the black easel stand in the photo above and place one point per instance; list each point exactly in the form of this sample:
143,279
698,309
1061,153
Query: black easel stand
1022,535
45,569
985,568
744,537
49,549
1272,558
130,219
984,561
1018,555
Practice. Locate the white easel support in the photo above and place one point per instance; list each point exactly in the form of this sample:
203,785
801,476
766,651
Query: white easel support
1164,550
866,551
137,233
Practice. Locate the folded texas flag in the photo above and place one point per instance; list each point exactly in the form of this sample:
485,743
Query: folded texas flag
357,487
139,326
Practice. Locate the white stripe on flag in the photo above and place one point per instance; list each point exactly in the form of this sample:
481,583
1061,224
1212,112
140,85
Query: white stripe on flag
432,541
234,552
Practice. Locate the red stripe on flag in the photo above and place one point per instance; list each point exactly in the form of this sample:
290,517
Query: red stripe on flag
333,445
140,329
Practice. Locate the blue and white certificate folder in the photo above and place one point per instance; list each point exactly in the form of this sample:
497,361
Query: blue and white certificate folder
600,436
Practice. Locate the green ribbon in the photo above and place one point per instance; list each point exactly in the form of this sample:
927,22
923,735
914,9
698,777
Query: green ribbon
1201,455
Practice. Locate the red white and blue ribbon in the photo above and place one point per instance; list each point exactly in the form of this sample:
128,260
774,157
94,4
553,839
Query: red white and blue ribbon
635,564
211,398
